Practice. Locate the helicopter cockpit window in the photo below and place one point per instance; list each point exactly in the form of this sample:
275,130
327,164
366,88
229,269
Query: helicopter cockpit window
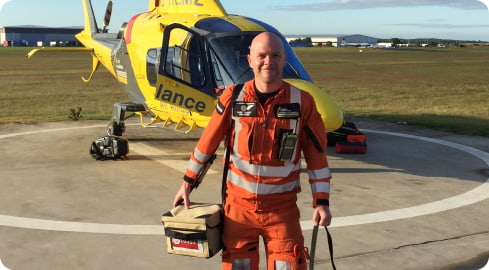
229,59
152,64
184,60
230,62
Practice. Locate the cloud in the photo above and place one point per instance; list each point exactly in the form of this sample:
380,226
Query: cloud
486,2
366,4
3,2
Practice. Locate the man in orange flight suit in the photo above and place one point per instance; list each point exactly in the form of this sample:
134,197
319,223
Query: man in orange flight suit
263,177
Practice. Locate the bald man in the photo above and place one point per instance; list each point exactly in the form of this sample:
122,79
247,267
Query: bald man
273,123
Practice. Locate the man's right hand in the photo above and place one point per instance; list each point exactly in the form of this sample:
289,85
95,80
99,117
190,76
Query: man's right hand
183,195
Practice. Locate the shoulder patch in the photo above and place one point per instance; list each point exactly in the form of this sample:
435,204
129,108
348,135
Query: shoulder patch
220,107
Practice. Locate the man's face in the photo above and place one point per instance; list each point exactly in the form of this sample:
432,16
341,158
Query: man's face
267,59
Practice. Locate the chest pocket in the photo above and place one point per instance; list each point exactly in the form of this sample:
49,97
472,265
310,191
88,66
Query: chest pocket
287,136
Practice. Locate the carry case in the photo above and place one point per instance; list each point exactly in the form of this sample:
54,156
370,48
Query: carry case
348,139
351,147
195,231
340,134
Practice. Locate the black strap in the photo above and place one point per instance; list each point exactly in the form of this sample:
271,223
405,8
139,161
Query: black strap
226,165
237,89
313,247
189,235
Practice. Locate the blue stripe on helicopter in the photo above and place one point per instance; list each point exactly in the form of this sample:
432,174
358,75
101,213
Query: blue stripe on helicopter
267,27
291,56
216,25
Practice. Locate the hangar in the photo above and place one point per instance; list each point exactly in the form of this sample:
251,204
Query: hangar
30,35
337,40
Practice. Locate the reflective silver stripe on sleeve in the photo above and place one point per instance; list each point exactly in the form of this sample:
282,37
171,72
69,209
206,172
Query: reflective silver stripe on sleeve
262,188
200,156
194,166
320,187
319,174
266,171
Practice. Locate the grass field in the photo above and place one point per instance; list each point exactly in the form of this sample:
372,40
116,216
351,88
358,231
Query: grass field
45,87
443,88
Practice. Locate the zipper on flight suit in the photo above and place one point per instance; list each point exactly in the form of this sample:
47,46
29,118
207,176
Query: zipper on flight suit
264,124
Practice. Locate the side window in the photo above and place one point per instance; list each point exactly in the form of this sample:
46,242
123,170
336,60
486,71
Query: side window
152,64
184,59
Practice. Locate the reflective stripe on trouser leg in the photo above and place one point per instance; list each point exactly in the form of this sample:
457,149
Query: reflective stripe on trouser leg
279,228
282,236
241,264
240,239
281,265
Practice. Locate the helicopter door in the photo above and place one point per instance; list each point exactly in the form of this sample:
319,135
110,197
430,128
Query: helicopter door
183,74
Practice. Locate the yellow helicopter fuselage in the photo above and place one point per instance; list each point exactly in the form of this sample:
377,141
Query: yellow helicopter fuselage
175,58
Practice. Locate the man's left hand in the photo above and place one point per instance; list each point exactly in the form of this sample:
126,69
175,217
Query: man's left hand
322,216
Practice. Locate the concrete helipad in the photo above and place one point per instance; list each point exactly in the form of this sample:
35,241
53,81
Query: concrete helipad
417,200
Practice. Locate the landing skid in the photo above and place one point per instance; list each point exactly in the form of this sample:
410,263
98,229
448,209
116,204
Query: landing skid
116,125
113,146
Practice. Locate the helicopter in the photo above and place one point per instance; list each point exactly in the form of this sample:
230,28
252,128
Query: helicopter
176,58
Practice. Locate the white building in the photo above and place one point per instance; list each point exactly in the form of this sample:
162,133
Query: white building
337,40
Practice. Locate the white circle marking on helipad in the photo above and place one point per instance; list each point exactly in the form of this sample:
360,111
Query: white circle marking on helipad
470,197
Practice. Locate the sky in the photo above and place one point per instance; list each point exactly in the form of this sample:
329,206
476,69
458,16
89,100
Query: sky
443,19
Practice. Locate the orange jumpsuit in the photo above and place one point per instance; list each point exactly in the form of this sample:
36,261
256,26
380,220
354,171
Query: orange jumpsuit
261,189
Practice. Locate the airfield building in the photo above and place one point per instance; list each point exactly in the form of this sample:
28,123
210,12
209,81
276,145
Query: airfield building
38,36
337,40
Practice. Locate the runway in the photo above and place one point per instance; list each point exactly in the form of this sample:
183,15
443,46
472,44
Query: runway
416,200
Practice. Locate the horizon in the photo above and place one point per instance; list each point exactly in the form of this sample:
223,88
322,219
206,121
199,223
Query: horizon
291,35
382,19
